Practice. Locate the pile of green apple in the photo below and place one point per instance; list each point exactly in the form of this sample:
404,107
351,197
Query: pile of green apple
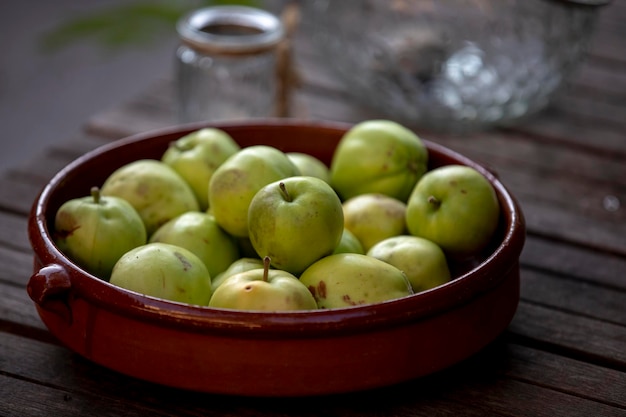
256,228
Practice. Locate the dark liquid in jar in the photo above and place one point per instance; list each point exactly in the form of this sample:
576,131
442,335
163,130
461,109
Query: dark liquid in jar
231,30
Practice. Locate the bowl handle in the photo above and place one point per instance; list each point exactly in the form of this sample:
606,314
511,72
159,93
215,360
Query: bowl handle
49,288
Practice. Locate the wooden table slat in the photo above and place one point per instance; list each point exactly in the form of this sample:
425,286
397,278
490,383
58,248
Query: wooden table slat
26,398
565,374
18,197
574,335
577,263
17,310
578,297
17,267
14,234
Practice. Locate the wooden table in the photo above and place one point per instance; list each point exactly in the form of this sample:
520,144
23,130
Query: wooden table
564,353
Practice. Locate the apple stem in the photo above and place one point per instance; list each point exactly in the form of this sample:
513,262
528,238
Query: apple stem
433,200
266,267
284,192
95,193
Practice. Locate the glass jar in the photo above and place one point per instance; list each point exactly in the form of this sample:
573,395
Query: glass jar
226,63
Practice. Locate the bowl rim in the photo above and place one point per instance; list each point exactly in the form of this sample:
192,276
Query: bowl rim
309,323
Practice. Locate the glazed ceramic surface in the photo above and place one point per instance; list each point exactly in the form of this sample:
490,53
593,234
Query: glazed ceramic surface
265,353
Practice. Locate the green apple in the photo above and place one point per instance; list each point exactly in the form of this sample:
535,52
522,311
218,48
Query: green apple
240,265
349,244
164,271
96,231
295,221
374,217
200,233
378,156
238,179
154,189
456,207
422,261
263,289
350,279
197,155
310,166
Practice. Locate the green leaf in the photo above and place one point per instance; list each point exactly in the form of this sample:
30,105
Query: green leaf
139,22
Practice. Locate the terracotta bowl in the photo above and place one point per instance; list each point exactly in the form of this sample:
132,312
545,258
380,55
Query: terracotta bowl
258,353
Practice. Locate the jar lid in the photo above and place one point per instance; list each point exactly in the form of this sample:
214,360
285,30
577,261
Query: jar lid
230,30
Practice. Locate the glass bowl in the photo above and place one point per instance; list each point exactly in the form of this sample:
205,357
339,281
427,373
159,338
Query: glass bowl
452,65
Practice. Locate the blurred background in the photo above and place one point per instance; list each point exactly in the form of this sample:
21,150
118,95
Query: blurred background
58,69
65,60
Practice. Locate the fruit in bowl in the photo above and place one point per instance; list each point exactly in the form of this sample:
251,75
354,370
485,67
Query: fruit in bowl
96,231
303,350
295,221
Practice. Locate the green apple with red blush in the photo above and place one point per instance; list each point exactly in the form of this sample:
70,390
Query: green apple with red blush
95,231
263,289
348,279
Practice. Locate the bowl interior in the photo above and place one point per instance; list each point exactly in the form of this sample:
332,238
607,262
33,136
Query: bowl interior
316,138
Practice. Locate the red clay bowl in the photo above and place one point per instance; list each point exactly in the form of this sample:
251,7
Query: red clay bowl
268,354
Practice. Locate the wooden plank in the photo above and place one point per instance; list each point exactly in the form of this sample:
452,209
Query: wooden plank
607,52
578,297
552,126
538,158
589,109
575,262
25,398
14,231
151,110
552,222
42,166
16,266
564,374
599,201
40,169
17,311
606,82
570,335
76,146
18,197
